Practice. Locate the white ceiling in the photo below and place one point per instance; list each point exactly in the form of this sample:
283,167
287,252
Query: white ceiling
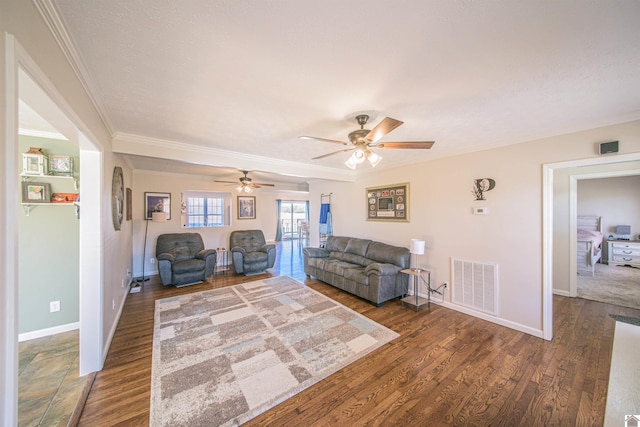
250,77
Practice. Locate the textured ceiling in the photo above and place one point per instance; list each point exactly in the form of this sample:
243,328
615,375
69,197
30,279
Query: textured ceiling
249,77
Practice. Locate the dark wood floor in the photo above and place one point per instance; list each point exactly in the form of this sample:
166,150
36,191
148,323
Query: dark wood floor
446,368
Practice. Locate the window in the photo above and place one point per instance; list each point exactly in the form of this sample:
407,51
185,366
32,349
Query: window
205,209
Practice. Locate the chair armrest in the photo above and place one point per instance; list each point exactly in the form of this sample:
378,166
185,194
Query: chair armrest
238,249
203,254
166,257
316,252
267,247
382,269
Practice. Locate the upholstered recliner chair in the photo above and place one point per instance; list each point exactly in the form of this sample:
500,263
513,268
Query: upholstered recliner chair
251,254
183,260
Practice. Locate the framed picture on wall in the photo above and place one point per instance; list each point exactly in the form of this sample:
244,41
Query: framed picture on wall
128,204
390,203
157,202
246,207
36,192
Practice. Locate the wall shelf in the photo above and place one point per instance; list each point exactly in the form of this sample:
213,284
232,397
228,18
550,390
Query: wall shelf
26,178
28,207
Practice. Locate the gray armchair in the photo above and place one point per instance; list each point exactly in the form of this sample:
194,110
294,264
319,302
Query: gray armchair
251,254
183,260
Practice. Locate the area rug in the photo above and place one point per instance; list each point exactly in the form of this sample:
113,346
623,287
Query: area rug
224,356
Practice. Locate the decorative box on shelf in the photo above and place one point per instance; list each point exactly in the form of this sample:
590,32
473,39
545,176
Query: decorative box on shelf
35,164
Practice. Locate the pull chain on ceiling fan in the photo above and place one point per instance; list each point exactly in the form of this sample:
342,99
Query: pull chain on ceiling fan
363,141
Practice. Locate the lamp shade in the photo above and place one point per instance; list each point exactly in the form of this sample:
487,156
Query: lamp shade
417,247
159,216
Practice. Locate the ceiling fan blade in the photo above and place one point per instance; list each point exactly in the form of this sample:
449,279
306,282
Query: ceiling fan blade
324,139
383,128
261,184
227,182
407,144
335,152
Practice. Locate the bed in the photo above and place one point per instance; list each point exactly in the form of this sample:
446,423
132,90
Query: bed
590,239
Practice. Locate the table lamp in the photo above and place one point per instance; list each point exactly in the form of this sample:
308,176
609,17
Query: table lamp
417,248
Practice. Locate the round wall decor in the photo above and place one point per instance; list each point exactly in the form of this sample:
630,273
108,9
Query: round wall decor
117,198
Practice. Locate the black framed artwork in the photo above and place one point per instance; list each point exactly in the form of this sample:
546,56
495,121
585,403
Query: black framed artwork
157,202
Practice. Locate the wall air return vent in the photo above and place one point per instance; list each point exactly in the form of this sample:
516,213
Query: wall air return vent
475,285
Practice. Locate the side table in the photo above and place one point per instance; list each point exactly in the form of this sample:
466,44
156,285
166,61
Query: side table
223,258
415,299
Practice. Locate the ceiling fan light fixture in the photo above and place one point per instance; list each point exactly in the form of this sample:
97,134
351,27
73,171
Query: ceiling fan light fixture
359,155
350,163
373,158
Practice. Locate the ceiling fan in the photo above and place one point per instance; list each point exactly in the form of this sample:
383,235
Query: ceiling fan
246,184
363,141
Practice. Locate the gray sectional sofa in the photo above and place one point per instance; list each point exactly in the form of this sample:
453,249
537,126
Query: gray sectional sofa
366,268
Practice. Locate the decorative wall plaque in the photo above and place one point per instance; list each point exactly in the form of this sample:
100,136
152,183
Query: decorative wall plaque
390,203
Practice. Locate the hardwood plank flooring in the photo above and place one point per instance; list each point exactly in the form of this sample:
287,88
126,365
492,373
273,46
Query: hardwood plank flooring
446,368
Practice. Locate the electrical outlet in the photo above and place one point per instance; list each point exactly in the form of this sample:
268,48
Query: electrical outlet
54,306
152,260
113,304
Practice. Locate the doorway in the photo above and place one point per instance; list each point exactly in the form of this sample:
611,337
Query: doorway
558,214
293,213
25,81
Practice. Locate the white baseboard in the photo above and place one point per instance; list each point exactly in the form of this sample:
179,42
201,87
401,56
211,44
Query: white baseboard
48,331
561,293
497,320
115,324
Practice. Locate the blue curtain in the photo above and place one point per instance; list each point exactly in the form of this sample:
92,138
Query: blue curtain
279,224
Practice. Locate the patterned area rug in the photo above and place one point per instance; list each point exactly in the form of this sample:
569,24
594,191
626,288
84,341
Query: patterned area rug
223,356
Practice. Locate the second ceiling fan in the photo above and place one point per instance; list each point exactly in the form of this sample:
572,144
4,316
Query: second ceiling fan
246,184
364,140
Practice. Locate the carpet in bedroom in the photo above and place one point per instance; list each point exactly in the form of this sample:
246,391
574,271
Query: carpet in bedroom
611,284
223,356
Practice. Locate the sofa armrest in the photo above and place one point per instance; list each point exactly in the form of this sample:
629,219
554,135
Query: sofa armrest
238,249
203,254
166,257
316,252
382,269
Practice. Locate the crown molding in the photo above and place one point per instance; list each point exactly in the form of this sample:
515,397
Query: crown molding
52,18
124,143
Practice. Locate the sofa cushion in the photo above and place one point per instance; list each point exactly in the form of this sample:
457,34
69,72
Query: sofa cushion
337,243
181,253
389,254
188,265
357,275
339,267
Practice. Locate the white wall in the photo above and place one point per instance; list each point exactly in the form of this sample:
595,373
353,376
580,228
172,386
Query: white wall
441,212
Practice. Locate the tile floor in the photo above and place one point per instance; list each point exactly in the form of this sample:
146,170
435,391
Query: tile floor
48,383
